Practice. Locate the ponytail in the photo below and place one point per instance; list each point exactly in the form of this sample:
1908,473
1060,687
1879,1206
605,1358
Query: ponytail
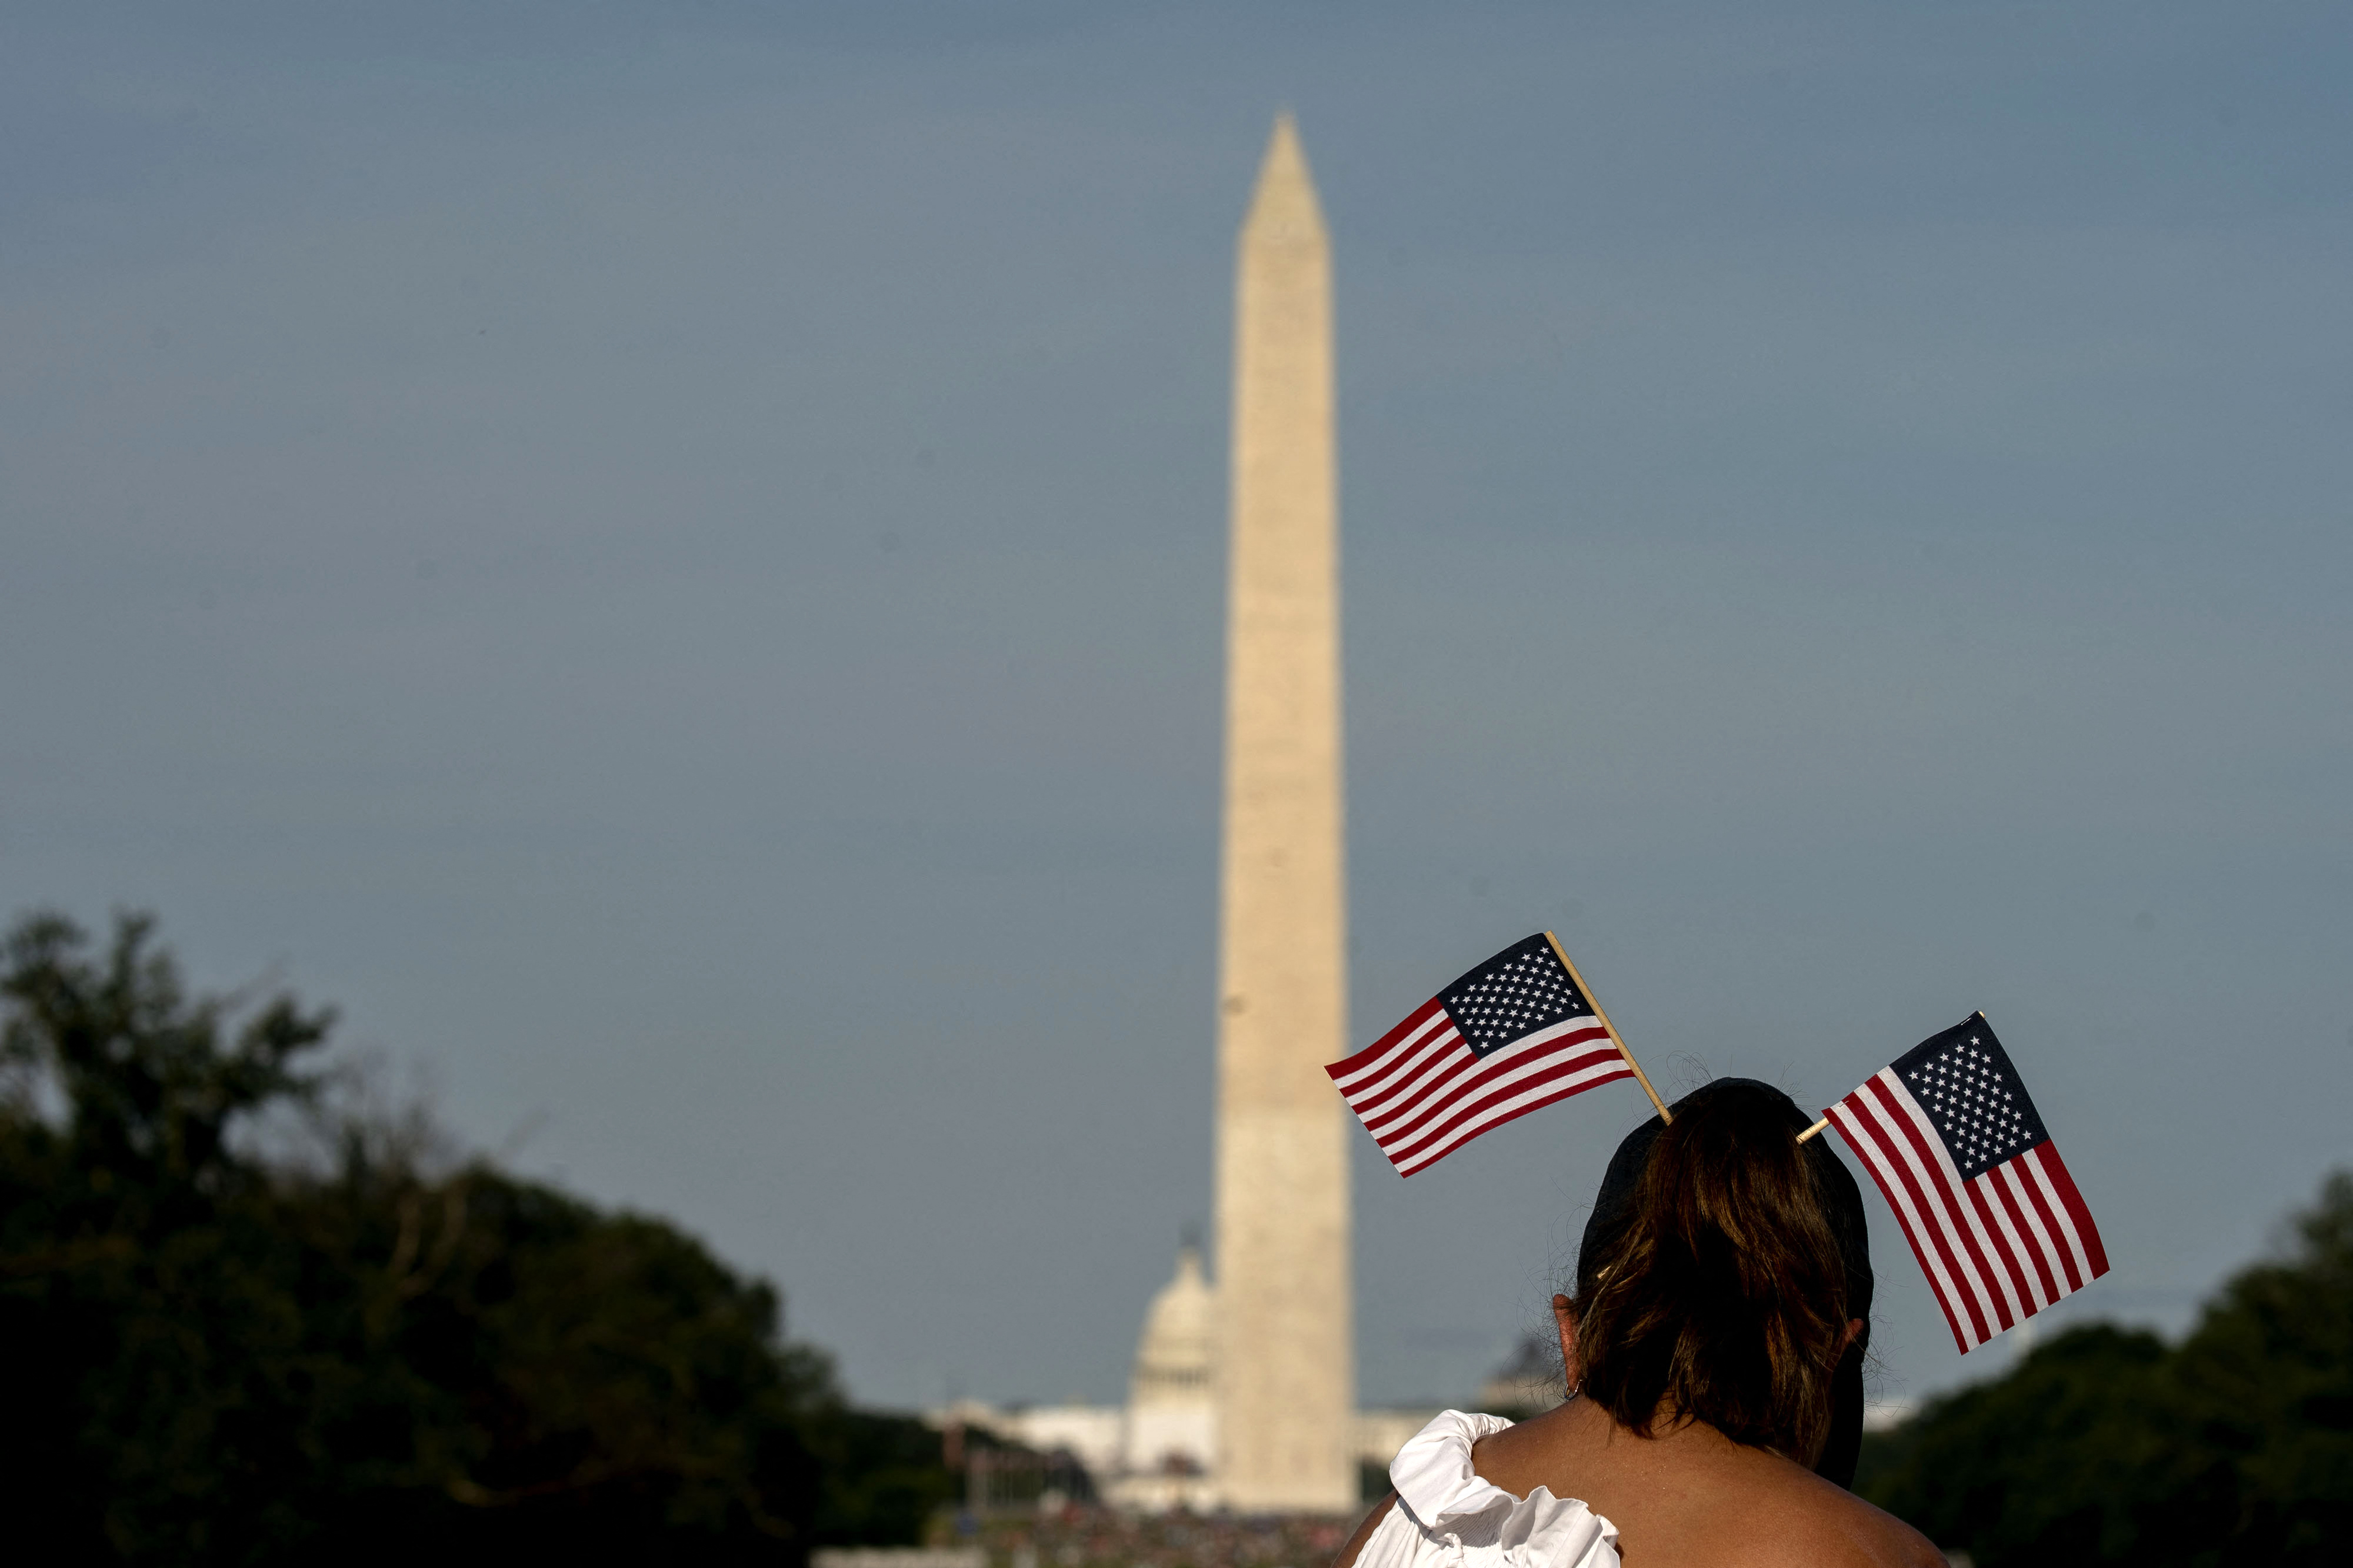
1720,1292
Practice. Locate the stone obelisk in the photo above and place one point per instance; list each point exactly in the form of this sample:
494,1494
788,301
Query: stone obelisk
1286,1363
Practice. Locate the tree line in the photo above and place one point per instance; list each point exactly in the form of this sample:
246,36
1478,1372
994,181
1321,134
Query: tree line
245,1320
2109,1444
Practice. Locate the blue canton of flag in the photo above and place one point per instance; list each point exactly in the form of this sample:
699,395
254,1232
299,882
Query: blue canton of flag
1521,989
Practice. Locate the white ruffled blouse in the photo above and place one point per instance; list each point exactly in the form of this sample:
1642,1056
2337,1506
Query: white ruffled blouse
1446,1517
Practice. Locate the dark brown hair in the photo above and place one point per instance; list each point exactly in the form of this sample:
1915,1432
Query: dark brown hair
1719,1292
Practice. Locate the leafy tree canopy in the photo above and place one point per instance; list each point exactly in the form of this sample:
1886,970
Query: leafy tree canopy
222,1356
2106,1444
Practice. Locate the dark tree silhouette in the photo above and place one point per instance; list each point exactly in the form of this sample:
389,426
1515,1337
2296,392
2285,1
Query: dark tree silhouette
219,1357
2106,1444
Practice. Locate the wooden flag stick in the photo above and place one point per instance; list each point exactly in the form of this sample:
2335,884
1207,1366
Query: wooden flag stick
1817,1127
1615,1037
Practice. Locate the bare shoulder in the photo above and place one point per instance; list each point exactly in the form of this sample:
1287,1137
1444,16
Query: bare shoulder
1364,1533
1815,1524
1689,1495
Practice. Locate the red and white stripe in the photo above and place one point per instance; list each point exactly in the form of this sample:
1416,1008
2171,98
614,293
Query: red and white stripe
1422,1092
1998,1248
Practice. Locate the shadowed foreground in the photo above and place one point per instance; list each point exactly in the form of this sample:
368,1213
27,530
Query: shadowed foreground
1104,1537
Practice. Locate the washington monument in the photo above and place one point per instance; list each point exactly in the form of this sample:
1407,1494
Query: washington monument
1286,1366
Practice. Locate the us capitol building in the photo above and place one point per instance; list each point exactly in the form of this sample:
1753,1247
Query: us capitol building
1159,1451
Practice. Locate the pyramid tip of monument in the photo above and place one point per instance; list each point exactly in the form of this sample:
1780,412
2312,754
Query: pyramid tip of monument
1284,152
1286,189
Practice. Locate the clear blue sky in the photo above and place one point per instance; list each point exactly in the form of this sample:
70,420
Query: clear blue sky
668,558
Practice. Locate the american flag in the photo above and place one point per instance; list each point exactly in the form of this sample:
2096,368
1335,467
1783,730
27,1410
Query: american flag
1949,1134
1515,1033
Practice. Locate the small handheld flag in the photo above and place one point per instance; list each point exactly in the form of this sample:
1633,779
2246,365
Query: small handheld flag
1518,1032
1963,1157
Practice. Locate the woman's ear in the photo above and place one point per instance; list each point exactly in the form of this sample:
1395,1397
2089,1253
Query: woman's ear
1564,1317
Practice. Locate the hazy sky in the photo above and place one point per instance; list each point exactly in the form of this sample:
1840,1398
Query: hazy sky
669,560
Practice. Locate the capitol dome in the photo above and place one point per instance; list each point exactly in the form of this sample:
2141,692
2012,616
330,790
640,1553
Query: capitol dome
1169,1436
1177,1355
